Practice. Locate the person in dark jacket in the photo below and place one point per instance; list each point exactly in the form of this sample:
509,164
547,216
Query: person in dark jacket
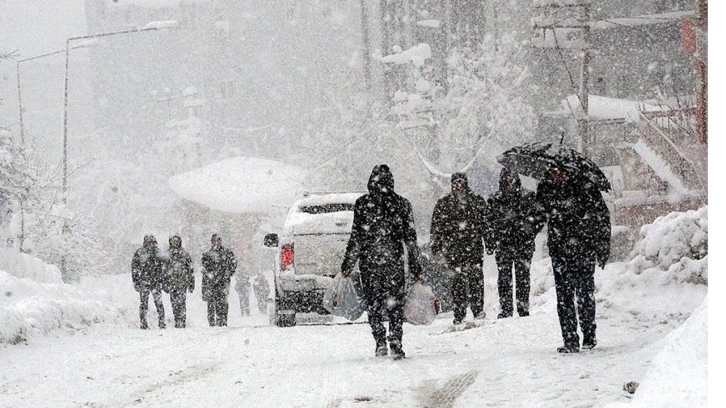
457,239
513,222
382,226
148,278
219,265
179,270
578,237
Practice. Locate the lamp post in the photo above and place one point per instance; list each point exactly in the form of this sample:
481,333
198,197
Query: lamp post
22,124
153,26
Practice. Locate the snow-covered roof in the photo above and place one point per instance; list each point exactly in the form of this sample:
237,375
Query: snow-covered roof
157,4
241,185
604,108
636,21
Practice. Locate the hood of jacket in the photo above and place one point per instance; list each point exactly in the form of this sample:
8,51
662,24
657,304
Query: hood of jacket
381,180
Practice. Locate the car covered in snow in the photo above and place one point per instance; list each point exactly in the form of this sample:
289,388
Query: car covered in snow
310,251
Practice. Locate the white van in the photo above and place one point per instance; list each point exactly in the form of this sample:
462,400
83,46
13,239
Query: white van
310,252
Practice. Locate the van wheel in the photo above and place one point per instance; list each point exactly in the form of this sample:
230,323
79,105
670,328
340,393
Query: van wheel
282,314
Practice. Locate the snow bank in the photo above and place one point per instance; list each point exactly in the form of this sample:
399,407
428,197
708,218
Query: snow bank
29,308
678,376
674,238
22,265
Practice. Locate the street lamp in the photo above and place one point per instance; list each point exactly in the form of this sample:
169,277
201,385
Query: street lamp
17,71
22,125
152,26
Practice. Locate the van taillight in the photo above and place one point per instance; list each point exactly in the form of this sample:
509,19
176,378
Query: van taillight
287,256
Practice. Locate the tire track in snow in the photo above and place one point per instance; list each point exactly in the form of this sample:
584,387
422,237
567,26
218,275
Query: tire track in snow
176,378
446,395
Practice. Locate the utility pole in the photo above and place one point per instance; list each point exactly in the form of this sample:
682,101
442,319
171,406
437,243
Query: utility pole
365,28
584,93
554,26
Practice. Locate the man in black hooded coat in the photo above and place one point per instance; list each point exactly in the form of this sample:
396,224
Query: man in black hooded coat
513,221
148,278
457,239
382,225
578,236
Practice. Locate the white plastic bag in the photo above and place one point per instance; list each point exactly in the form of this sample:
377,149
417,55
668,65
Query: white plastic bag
421,305
343,298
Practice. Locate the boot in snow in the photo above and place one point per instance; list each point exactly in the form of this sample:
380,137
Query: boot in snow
381,348
396,350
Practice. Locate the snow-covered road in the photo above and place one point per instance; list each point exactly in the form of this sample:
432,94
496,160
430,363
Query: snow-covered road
508,362
79,345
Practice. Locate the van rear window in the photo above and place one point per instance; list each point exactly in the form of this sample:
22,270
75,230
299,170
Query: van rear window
326,208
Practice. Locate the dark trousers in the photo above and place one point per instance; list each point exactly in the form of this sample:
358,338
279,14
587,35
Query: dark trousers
392,306
179,307
217,306
467,289
575,286
144,306
521,263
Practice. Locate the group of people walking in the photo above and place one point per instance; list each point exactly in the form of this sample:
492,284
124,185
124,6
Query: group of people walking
154,272
463,226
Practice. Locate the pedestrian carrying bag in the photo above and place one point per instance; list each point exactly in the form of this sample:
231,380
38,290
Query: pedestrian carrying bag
421,305
343,298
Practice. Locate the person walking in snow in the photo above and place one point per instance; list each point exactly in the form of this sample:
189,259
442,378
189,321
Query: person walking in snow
382,226
219,265
457,240
262,291
179,270
578,237
148,278
242,287
513,222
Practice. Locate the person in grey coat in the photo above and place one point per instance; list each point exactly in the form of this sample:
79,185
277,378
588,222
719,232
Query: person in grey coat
179,270
219,265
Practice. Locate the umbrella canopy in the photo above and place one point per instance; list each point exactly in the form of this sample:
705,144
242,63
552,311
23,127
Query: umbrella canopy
536,159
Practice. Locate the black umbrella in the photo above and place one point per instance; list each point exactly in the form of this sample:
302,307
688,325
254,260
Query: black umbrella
536,159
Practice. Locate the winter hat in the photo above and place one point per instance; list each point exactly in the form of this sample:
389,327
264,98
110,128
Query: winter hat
175,235
149,239
459,177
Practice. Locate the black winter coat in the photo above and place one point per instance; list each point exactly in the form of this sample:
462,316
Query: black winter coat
179,270
458,227
146,270
578,220
513,219
382,225
219,266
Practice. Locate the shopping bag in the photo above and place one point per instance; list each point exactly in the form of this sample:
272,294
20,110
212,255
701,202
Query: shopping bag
421,305
344,298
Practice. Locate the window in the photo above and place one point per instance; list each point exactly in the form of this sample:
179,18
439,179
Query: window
326,208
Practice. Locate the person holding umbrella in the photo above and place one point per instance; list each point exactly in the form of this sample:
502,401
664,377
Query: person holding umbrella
578,236
578,230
